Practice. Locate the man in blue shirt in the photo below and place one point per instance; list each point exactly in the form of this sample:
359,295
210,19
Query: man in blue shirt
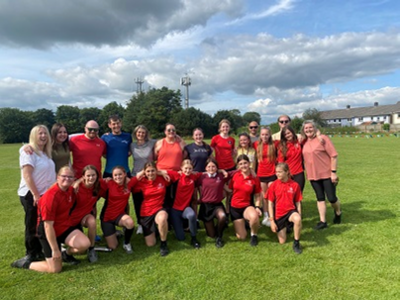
118,146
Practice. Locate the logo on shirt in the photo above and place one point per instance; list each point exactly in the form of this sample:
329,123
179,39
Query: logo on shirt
98,145
249,182
160,186
290,190
125,142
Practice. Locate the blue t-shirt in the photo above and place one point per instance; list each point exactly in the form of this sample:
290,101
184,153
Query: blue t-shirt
198,155
117,150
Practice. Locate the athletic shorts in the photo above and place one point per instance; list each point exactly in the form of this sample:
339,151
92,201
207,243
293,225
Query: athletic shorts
283,222
45,243
324,187
109,226
149,223
237,213
208,210
268,179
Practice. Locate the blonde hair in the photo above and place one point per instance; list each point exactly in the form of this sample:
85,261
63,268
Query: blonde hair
271,155
222,122
146,137
33,140
186,162
312,124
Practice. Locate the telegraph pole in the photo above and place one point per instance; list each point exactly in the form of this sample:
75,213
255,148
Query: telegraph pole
186,81
139,83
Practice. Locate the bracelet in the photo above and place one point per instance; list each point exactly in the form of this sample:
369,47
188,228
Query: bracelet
333,171
270,218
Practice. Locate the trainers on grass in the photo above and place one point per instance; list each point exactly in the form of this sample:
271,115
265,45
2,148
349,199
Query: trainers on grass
139,230
254,240
69,259
266,222
338,218
219,243
128,248
164,249
297,247
321,225
92,255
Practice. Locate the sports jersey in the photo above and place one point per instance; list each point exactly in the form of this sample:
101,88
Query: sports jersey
266,167
117,199
170,156
223,151
243,189
212,187
118,146
294,157
85,201
198,155
184,189
284,195
55,205
85,152
153,195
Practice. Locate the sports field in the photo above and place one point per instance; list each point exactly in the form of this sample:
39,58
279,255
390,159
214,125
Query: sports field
358,259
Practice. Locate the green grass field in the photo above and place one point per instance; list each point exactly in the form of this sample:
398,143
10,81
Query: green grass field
358,259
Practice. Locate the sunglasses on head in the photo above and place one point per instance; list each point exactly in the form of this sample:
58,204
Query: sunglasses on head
253,127
92,129
284,122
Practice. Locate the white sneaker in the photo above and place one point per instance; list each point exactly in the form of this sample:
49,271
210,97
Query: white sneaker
139,230
128,248
266,222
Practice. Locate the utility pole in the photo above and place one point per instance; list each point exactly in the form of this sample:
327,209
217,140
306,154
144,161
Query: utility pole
186,81
139,83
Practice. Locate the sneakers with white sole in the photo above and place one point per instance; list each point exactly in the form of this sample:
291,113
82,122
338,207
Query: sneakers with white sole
128,248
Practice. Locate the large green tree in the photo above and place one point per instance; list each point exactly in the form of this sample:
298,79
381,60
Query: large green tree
43,116
315,115
233,116
112,108
251,116
70,117
188,119
15,125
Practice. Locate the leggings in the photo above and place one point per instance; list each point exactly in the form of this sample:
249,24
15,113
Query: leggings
177,217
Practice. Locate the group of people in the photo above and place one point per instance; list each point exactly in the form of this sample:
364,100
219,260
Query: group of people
262,177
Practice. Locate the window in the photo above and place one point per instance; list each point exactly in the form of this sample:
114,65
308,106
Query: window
340,120
349,120
377,118
360,119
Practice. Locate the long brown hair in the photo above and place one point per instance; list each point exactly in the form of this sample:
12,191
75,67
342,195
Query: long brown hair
54,131
96,184
271,155
283,142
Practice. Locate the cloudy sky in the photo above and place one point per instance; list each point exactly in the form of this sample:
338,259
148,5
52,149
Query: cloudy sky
269,56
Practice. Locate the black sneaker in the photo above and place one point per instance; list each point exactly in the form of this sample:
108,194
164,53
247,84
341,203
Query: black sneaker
321,225
22,263
219,243
164,249
338,218
69,259
297,248
253,240
195,243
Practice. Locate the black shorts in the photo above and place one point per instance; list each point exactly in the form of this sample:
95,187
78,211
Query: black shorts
268,179
149,223
237,213
208,210
283,222
109,226
322,187
60,239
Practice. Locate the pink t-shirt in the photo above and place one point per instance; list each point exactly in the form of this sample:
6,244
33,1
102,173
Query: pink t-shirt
170,156
317,158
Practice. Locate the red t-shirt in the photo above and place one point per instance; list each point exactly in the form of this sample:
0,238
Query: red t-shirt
243,189
223,151
184,190
117,199
85,201
294,157
55,205
284,194
266,167
212,188
86,152
153,195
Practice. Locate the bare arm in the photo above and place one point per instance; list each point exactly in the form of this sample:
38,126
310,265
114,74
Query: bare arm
334,177
27,172
52,239
274,227
157,148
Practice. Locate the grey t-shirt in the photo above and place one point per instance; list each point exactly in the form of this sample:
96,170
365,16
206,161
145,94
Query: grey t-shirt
142,154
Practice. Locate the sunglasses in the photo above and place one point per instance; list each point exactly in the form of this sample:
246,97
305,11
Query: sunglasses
284,122
253,127
171,130
92,129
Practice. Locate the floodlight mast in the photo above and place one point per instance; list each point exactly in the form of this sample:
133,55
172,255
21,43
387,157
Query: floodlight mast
139,83
186,81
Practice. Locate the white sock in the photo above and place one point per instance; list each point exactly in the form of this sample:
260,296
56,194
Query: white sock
266,215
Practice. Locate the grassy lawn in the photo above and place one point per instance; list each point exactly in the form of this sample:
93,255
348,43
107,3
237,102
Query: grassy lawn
357,259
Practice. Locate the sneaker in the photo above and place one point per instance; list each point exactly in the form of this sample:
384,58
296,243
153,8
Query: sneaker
22,263
266,222
253,240
195,243
338,218
139,230
92,255
164,249
128,248
297,248
321,225
69,258
219,243
97,238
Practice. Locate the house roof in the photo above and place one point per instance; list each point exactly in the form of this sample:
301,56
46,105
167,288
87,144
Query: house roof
349,113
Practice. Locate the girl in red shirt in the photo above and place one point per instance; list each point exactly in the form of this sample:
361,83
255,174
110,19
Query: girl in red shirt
54,227
266,158
152,211
290,152
244,185
284,197
89,189
113,212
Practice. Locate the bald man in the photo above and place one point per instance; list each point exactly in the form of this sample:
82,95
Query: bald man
87,148
253,131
